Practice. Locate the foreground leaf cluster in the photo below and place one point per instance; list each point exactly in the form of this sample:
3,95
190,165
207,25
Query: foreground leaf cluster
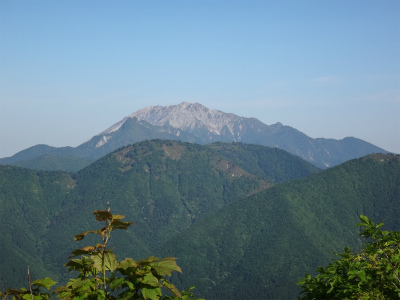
371,274
102,276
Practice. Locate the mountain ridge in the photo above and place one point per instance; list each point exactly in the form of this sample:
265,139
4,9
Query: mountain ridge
245,221
188,116
164,186
195,123
243,257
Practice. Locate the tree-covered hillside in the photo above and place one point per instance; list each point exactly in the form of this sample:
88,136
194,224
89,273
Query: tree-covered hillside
28,201
259,247
271,163
164,186
244,221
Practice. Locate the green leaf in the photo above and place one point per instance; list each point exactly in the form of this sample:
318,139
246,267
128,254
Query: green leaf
369,274
77,264
60,289
150,280
46,282
116,283
97,262
366,222
80,297
361,274
151,293
165,266
77,283
100,295
110,261
117,217
396,258
130,285
127,263
173,289
145,262
148,260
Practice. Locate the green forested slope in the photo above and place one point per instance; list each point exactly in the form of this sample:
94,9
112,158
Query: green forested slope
215,207
28,200
51,162
271,163
259,247
165,187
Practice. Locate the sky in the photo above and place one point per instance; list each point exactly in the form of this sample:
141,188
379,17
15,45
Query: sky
71,69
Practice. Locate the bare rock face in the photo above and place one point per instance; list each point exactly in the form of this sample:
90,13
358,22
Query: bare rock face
185,116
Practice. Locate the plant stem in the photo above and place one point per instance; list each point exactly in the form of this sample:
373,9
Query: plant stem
30,286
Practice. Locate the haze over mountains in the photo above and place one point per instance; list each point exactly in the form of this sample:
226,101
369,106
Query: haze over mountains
192,122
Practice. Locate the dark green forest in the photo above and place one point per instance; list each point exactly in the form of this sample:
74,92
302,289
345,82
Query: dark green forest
257,248
244,221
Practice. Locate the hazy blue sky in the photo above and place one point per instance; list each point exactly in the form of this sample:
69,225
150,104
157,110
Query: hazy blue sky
70,69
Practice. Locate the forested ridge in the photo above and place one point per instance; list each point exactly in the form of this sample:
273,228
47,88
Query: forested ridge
258,248
244,221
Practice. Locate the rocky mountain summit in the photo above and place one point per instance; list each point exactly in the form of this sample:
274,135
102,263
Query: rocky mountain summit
184,116
194,123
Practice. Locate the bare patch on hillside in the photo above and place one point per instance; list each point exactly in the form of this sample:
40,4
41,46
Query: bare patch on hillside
123,157
232,170
71,184
173,150
237,172
385,158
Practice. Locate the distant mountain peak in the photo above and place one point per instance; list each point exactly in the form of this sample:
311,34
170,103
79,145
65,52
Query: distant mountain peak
185,116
